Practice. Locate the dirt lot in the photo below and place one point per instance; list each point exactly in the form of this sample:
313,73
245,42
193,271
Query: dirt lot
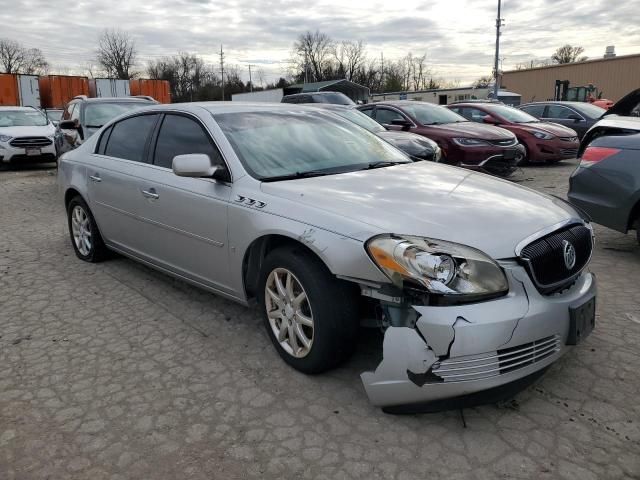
113,371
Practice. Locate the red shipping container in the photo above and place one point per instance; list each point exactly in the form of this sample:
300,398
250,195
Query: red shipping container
9,95
57,90
158,89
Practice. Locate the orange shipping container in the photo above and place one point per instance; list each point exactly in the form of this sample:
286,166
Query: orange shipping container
9,95
158,89
57,90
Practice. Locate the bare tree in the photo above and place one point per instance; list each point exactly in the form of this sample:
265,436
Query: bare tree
483,82
117,54
261,76
312,53
34,62
349,57
11,55
568,54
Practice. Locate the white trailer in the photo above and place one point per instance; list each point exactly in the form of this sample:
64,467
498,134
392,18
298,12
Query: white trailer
108,87
29,91
269,96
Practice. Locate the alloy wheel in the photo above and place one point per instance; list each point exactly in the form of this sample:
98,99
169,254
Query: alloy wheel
81,229
289,312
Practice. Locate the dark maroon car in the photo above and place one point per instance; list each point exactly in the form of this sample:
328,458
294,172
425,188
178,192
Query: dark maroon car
463,143
543,141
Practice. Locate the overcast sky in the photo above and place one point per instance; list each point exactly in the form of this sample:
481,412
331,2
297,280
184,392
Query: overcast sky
458,36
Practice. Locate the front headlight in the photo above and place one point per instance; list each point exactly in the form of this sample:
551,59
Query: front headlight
542,135
5,138
470,142
441,267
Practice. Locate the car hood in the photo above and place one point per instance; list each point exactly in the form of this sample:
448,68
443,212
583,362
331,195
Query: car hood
408,141
43,131
547,127
624,106
430,200
473,130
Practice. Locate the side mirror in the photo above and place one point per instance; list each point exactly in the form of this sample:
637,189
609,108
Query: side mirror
197,165
575,118
490,120
68,125
401,122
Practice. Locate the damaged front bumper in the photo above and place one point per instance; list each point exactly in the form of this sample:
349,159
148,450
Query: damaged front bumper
456,351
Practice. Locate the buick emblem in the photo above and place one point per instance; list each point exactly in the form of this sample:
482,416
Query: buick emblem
569,253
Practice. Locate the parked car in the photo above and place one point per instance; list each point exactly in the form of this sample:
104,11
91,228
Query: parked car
579,116
54,115
479,284
416,146
463,143
25,135
542,141
337,98
83,116
606,184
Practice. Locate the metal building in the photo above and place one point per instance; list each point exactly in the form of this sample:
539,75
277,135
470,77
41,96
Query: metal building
613,76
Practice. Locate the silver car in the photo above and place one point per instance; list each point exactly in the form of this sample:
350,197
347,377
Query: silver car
478,284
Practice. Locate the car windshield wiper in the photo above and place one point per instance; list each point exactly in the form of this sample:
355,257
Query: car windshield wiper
293,176
381,164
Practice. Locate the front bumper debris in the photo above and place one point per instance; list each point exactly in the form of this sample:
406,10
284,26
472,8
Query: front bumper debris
456,351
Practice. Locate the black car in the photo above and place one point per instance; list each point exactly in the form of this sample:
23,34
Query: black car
579,116
336,98
416,146
84,116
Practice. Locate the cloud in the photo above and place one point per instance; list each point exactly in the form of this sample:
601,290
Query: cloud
458,36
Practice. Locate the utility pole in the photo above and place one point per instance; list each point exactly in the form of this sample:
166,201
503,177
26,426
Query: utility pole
250,82
222,70
382,74
496,72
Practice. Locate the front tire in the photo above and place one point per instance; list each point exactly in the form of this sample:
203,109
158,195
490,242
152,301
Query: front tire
310,316
85,236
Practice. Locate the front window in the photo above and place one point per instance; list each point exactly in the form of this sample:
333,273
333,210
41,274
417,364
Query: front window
511,114
432,114
97,114
272,145
22,118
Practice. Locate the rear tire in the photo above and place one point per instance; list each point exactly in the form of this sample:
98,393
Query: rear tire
310,316
85,236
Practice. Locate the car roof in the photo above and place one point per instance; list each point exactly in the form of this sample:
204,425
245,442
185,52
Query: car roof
401,103
113,99
554,102
230,107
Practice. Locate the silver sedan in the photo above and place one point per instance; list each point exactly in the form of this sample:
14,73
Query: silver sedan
477,283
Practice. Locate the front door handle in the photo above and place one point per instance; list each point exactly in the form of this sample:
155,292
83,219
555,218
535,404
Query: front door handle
151,193
95,178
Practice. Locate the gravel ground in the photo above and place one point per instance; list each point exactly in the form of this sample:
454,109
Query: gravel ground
113,371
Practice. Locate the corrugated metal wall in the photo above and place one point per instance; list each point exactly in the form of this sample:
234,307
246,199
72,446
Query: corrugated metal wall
614,77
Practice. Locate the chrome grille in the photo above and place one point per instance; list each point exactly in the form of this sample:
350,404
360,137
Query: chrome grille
509,142
29,142
544,257
478,367
569,139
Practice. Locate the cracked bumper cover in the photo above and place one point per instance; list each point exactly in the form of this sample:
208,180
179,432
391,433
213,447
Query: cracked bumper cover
459,350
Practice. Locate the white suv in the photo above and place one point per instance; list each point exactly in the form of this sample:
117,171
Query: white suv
25,134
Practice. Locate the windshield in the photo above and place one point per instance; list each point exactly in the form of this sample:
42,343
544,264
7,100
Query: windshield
97,114
511,114
54,115
22,118
359,118
336,98
592,111
432,114
278,144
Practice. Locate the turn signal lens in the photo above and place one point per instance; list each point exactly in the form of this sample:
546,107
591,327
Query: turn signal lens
595,154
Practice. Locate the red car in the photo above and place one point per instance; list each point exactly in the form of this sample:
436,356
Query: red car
543,141
463,143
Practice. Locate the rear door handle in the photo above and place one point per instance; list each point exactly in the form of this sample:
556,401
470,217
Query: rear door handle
95,178
151,193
